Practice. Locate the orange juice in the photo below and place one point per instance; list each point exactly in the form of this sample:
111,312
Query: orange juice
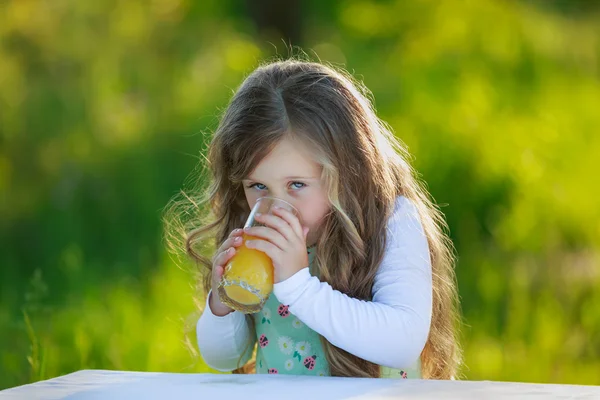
247,279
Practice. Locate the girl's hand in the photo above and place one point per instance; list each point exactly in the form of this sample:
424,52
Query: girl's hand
222,256
284,242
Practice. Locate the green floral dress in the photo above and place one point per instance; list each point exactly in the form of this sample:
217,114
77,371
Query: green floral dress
287,346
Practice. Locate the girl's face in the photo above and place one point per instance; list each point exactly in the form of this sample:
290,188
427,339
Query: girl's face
288,172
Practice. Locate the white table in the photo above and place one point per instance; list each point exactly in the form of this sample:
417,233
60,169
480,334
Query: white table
99,384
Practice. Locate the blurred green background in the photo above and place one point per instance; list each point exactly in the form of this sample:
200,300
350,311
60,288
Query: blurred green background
105,105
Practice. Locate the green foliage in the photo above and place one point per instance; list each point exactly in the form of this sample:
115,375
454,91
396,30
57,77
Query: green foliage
104,107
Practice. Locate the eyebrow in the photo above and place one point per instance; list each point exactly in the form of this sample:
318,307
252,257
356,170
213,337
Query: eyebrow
285,179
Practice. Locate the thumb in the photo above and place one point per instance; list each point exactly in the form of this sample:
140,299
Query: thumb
305,232
217,274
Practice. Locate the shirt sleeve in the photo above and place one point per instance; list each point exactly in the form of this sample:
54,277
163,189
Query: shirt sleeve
392,329
225,343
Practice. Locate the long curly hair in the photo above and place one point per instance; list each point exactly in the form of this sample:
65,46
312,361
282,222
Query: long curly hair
365,168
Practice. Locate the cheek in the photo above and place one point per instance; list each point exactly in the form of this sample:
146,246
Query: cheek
313,212
251,197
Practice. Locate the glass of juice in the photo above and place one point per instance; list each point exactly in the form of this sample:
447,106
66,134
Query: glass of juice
247,279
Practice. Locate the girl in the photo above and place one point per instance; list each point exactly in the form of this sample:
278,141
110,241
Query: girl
365,286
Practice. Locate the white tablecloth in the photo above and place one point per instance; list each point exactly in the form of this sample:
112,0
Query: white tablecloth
98,384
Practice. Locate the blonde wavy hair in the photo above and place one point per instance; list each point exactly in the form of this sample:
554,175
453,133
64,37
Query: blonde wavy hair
365,168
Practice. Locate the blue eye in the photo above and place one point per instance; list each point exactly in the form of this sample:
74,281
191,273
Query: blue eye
259,186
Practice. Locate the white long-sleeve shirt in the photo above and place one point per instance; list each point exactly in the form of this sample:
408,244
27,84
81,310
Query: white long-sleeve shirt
391,330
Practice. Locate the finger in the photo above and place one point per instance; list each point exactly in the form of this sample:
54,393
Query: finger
305,232
217,274
266,247
269,234
218,271
236,232
223,257
232,235
277,223
290,218
234,241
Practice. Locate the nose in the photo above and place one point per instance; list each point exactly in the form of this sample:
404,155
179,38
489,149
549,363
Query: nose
288,199
280,194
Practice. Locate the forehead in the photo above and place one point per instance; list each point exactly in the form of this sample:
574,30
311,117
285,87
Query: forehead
289,158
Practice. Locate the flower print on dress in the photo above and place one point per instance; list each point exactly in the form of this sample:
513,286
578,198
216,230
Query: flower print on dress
286,344
273,371
289,364
296,323
266,312
302,350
